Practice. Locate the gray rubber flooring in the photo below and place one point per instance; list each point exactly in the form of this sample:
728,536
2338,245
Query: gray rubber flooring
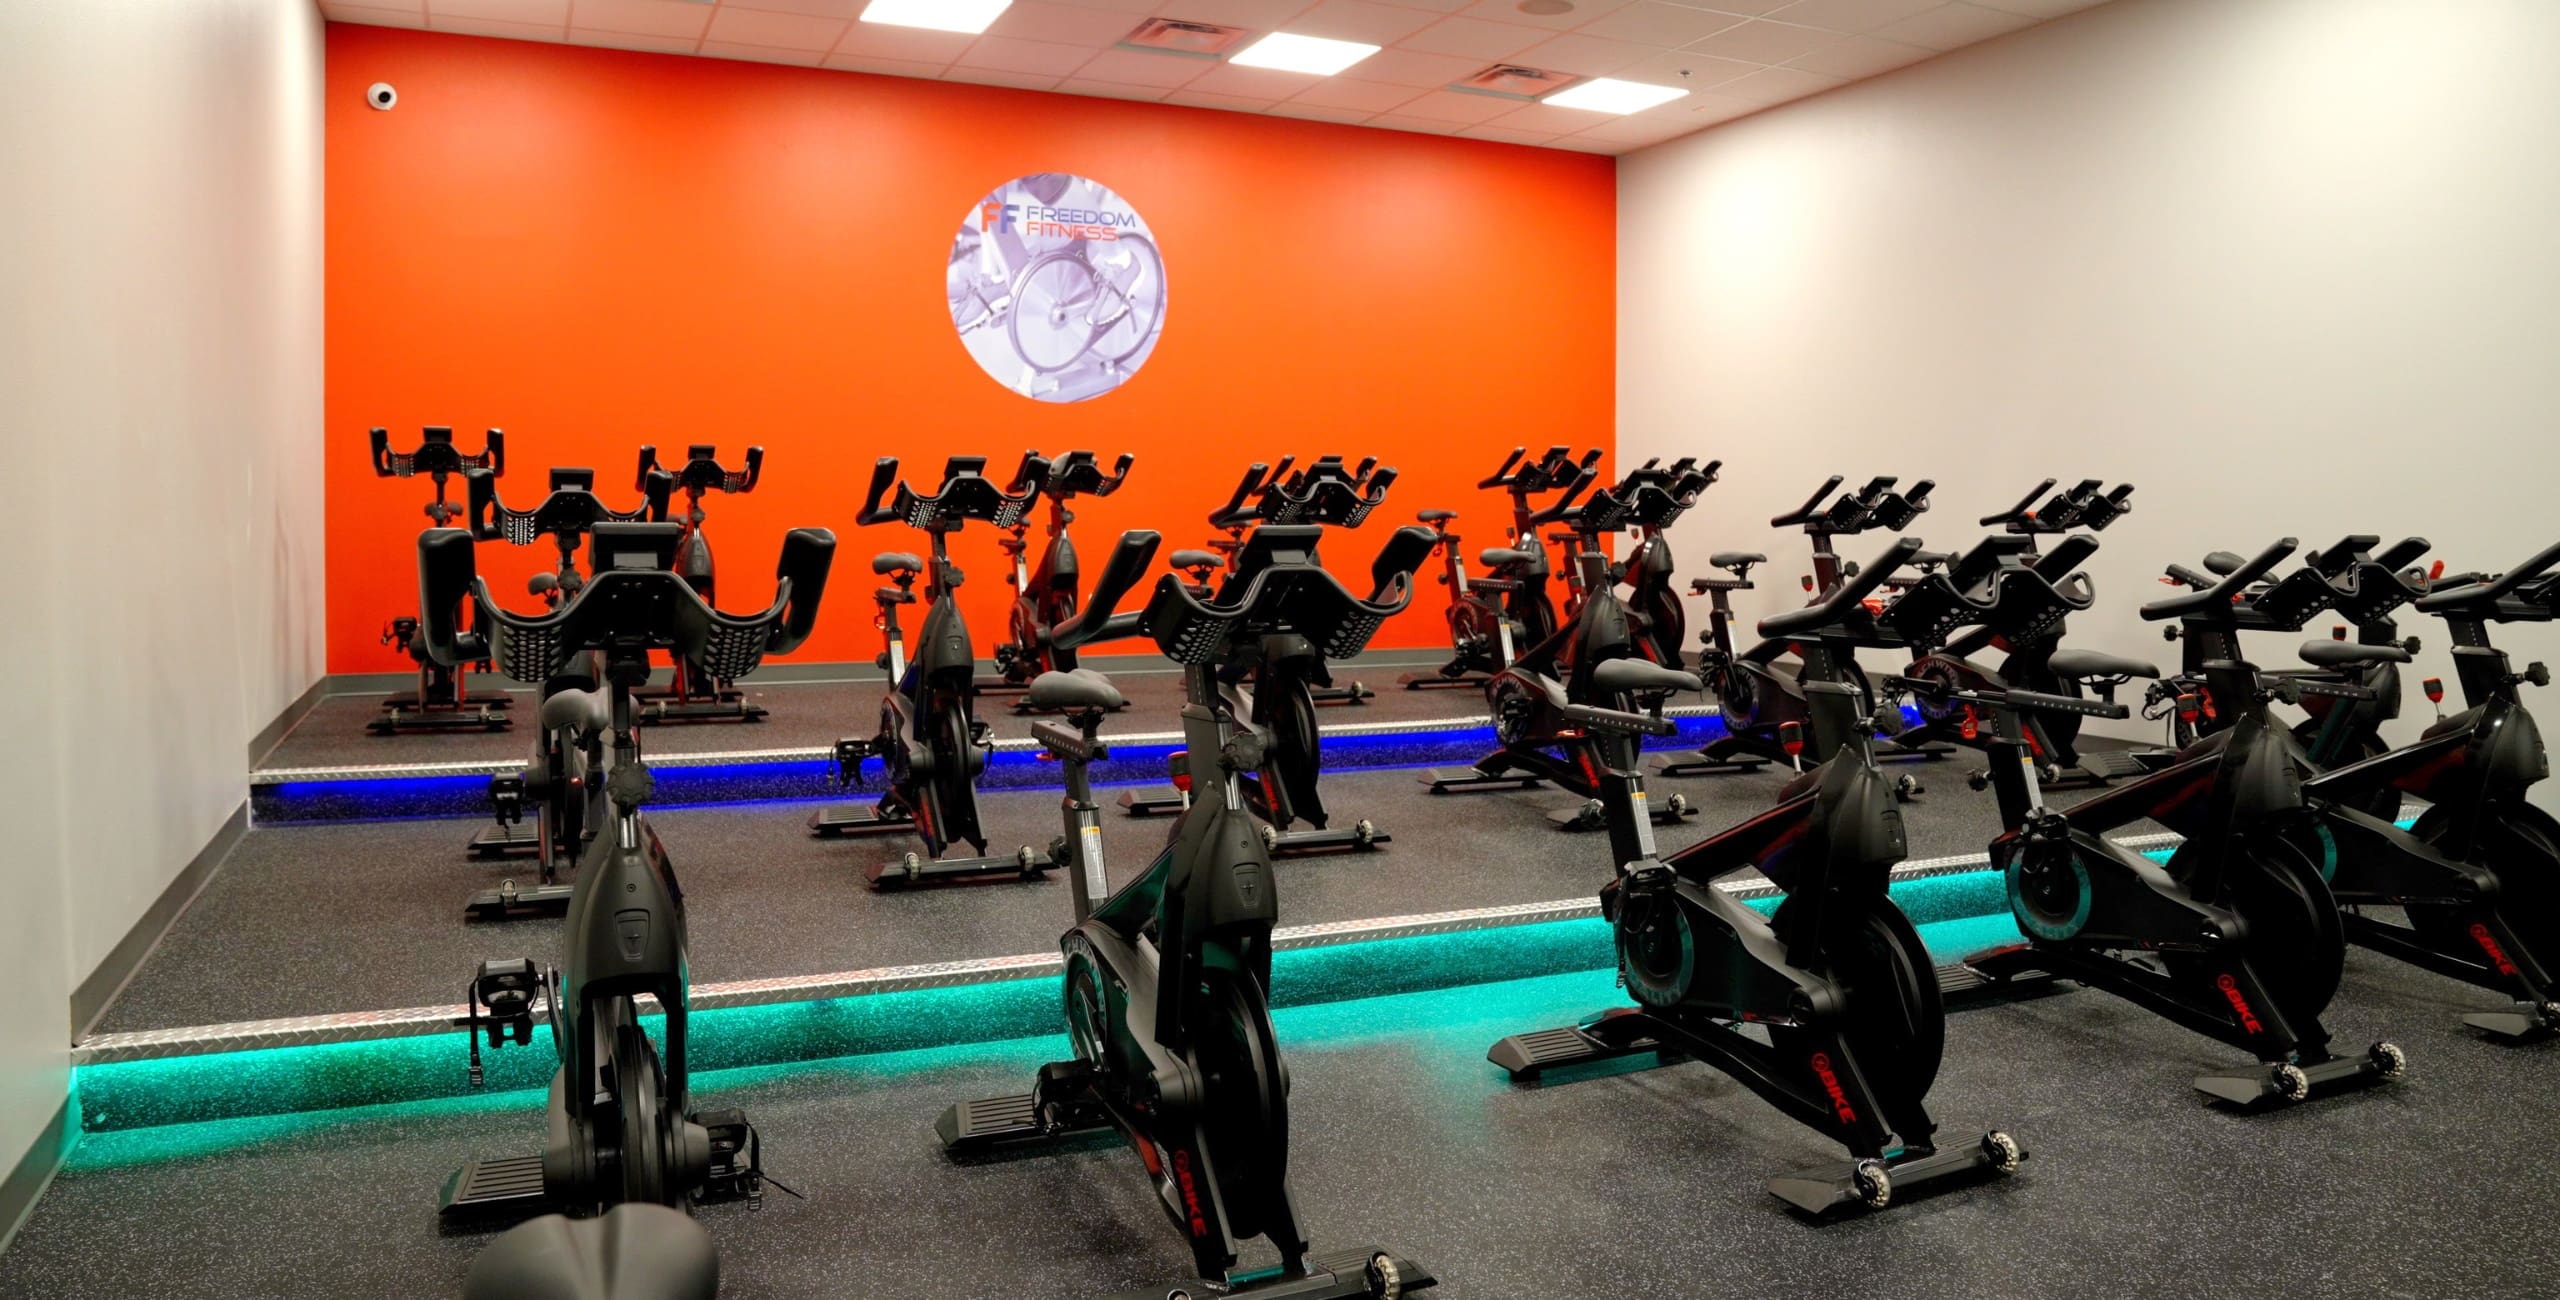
814,715
1638,1184
305,920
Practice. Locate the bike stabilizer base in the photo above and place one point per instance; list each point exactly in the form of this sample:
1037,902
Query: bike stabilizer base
403,714
1855,1184
510,901
916,869
516,839
1368,1273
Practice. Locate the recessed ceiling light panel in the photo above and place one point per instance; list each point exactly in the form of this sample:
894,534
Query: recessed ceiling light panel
1179,36
971,16
1610,95
1309,54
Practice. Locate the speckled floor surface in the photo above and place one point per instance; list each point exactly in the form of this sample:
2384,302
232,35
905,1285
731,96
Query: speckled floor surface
814,715
303,920
1638,1184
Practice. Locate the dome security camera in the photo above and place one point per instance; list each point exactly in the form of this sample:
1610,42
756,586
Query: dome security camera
381,95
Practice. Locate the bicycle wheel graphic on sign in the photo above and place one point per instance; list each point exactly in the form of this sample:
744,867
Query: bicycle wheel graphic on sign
1056,287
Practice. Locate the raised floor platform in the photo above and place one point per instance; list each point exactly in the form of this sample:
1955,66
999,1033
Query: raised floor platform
1646,1183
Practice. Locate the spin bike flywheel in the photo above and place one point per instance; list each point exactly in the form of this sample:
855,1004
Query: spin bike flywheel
2050,893
954,795
648,1154
2296,944
1896,1024
2525,859
1288,708
1244,1110
1657,949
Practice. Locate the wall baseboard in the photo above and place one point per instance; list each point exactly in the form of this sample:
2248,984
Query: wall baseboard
303,704
27,1180
96,993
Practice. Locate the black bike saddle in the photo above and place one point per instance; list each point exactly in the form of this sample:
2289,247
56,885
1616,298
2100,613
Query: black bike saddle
1641,677
1196,560
638,1251
896,562
1069,692
2321,652
1494,557
1435,516
1736,560
2082,665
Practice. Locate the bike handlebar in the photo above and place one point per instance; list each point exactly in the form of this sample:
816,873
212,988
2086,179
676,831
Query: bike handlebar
1095,622
2490,591
2223,593
1812,506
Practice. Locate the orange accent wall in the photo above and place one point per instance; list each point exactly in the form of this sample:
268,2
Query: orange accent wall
595,249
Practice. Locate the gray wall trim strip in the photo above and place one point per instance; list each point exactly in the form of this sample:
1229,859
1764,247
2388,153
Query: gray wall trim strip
264,742
34,1172
91,999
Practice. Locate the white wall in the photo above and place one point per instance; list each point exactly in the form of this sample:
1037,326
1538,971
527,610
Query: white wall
2288,265
160,385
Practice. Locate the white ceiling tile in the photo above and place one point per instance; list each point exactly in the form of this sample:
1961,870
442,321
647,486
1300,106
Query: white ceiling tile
1435,6
1110,89
1319,113
1133,7
495,27
1778,85
1001,77
1426,125
1953,26
1578,144
843,62
910,44
1073,24
1505,135
1138,68
1474,38
368,9
1259,15
1251,83
1642,128
641,17
412,18
1712,108
1860,56
1006,54
1366,96
1548,118
763,54
1852,16
1413,68
1230,103
555,12
1652,22
775,31
1686,70
1738,8
1587,56
1508,11
1762,41
1361,20
807,8
2041,8
1455,106
634,41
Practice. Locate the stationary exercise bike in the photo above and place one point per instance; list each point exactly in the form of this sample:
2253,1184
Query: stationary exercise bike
1046,596
2029,634
930,743
691,695
1326,492
2477,878
620,1126
1273,684
1759,691
558,782
2236,937
1492,617
441,702
1661,625
1836,978
1168,977
1537,703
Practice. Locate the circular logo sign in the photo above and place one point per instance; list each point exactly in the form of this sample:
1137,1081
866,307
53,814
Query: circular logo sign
1056,287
